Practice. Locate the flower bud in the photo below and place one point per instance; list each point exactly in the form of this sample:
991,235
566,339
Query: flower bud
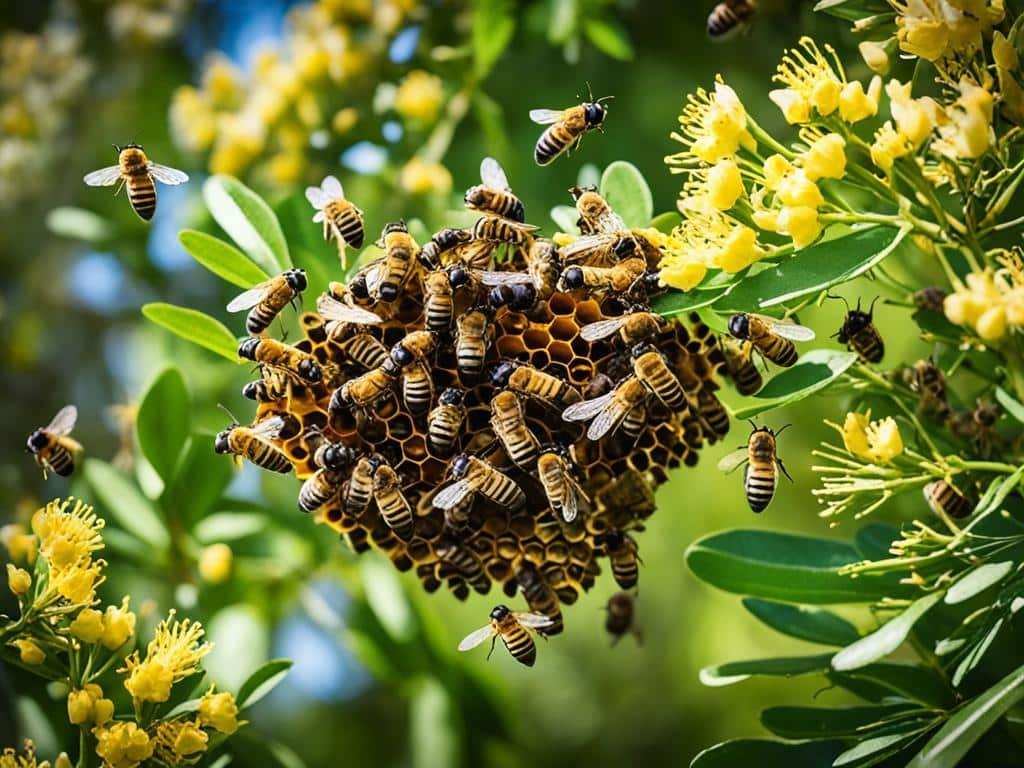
875,56
724,184
18,579
219,711
87,626
29,652
80,706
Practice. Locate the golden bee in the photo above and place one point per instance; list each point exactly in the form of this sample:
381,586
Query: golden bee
268,298
433,251
623,279
596,215
411,356
137,172
471,475
564,494
512,627
438,301
945,499
331,459
600,251
445,420
763,466
472,340
621,615
394,507
494,229
772,338
539,596
927,380
272,385
341,219
399,264
253,443
730,18
540,385
633,327
52,446
282,357
623,407
650,367
358,490
465,562
622,554
859,333
494,195
544,265
566,127
366,390
629,493
739,362
508,421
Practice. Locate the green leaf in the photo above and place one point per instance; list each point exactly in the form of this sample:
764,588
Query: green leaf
229,526
249,221
200,482
884,640
194,326
610,38
433,724
386,598
678,302
853,10
164,422
184,708
821,722
562,23
493,125
786,567
224,260
494,25
813,269
78,224
1011,404
977,581
874,540
787,666
283,755
908,680
768,754
241,639
627,192
667,221
262,681
813,372
879,746
122,503
565,217
811,624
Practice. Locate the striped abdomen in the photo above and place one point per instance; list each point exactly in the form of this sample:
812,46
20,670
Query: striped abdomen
634,421
346,221
469,566
266,455
365,350
868,344
728,18
263,314
142,194
500,230
543,386
59,458
518,641
777,349
713,413
650,368
761,474
553,142
358,490
746,377
417,388
508,205
540,597
317,490
941,496
392,504
439,308
502,490
443,427
625,566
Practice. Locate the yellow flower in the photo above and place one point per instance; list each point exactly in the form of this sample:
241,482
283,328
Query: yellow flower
18,579
875,56
562,238
684,275
21,546
712,126
215,563
724,184
776,168
810,80
192,119
118,625
177,739
738,251
10,759
80,705
962,308
826,158
856,104
87,626
992,325
798,190
419,96
219,711
29,652
190,740
854,433
173,654
67,537
421,177
801,223
222,83
78,584
913,119
888,146
937,29
122,745
795,108
102,711
62,761
966,133
884,440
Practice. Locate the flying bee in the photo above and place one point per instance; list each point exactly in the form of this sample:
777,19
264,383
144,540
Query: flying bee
392,272
621,610
930,299
622,279
763,466
494,195
565,495
445,421
341,219
610,411
772,338
497,230
358,491
253,443
472,340
859,333
466,562
331,459
602,250
943,498
634,327
51,445
512,627
394,507
729,18
622,554
978,426
539,595
282,357
650,366
543,387
268,299
739,362
508,421
364,391
927,380
139,174
566,127
595,213
441,243
471,475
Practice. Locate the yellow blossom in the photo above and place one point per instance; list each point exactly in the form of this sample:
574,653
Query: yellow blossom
215,563
856,104
913,118
684,275
854,433
797,189
219,711
192,119
776,168
173,654
62,761
102,711
344,120
810,80
21,546
80,705
122,745
738,251
177,739
87,626
884,440
78,584
419,96
11,759
67,536
286,167
421,177
888,146
18,579
826,158
712,125
992,325
966,133
875,56
801,223
118,625
222,83
937,29
29,652
724,184
795,108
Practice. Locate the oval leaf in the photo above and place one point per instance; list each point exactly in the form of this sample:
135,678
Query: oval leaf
163,422
262,681
609,38
248,220
224,260
910,681
494,24
229,526
977,581
124,504
1011,404
626,191
666,222
195,326
679,302
884,640
879,746
787,666
818,722
811,624
813,372
768,754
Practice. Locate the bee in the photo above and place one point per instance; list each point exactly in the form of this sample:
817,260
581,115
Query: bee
341,219
619,280
364,350
441,243
622,554
527,380
472,340
339,315
634,327
978,426
739,362
943,498
410,355
763,466
613,410
358,491
544,265
771,338
495,195
566,127
539,595
136,171
465,562
512,627
271,386
394,507
497,230
595,213
331,459
518,297
470,476
565,495
650,366
629,493
392,272
930,299
282,357
438,301
927,380
859,333
729,18
621,609
445,421
51,446
364,391
601,251
253,443
508,421
713,413
268,298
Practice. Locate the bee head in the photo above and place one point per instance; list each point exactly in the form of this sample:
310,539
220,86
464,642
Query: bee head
220,443
460,465
376,460
388,292
500,612
614,540
625,247
132,145
594,113
449,238
573,277
458,275
309,370
296,279
37,440
357,285
251,390
501,374
401,356
578,192
739,326
500,295
475,196
451,396
642,349
395,226
247,348
337,456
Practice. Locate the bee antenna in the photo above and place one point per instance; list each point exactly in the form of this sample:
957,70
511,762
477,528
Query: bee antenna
605,98
753,426
842,299
226,410
782,429
871,309
117,148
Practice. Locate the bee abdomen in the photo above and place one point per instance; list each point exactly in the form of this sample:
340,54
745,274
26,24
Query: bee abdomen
260,317
398,516
941,496
552,143
520,645
142,195
270,458
626,572
780,351
61,461
760,485
868,344
748,380
417,391
350,227
315,492
439,312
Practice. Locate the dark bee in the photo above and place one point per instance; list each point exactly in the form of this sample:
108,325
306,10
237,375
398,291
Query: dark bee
930,299
622,552
740,364
445,421
268,298
927,380
444,241
772,338
621,610
763,466
494,195
539,596
943,498
332,459
282,357
729,18
859,333
52,447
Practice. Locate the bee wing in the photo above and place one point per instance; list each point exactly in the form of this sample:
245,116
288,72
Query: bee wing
473,639
318,217
247,299
332,309
373,274
104,177
588,408
602,329
64,421
503,278
790,331
167,175
605,422
268,429
451,495
612,222
583,244
492,174
316,197
533,620
332,187
732,461
546,116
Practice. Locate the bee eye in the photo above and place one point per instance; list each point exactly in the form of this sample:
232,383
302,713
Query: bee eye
401,355
458,277
573,277
251,390
309,370
388,292
220,444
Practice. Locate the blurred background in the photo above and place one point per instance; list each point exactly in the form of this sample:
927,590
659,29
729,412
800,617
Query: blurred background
393,98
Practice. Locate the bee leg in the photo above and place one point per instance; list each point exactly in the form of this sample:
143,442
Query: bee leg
493,641
783,468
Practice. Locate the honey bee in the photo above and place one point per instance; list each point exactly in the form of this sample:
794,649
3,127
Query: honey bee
392,272
341,219
441,243
508,420
410,355
729,18
634,327
943,498
253,443
512,627
543,387
650,366
621,610
358,491
438,301
445,421
518,297
471,475
930,299
394,507
364,391
565,495
465,562
364,350
772,338
136,171
539,596
595,213
282,357
331,459
599,251
622,554
51,445
494,195
622,279
629,493
713,413
497,230
611,411
927,380
566,127
472,340
859,333
544,265
739,362
763,466
268,298
272,385
978,426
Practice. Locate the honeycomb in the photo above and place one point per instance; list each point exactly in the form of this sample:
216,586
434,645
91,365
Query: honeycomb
617,473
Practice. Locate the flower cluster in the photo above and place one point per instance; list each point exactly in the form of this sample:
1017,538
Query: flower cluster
876,441
937,30
9,758
991,301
